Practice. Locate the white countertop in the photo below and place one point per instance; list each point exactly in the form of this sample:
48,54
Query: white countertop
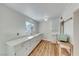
18,41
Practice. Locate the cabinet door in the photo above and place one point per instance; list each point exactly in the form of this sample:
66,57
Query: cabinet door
22,49
11,51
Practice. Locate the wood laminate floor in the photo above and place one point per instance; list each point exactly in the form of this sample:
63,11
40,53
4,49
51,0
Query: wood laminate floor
44,48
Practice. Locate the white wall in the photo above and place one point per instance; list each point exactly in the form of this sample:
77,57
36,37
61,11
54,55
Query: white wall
48,28
69,26
11,23
76,32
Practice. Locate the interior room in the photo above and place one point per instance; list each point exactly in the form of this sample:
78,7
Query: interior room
39,29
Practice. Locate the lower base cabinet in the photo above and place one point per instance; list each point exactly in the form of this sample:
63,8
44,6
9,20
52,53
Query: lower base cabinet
24,48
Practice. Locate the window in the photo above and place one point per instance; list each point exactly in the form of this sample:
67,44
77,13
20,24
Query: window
29,27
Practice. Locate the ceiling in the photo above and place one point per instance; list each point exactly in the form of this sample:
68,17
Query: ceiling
38,11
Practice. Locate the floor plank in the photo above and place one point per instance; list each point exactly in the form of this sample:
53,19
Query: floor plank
46,48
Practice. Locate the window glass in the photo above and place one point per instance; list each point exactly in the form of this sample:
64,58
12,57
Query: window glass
29,27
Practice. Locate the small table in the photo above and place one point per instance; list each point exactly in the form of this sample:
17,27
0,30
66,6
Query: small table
66,46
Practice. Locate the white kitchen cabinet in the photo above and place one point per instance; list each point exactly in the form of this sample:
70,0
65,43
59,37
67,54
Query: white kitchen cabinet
24,47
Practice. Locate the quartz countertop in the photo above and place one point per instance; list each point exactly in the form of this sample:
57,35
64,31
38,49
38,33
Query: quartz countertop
20,40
